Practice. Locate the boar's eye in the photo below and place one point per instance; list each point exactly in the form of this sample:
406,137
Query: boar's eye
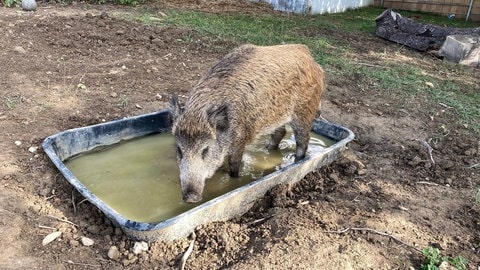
179,152
204,152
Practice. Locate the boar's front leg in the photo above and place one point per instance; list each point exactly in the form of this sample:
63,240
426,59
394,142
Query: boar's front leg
235,159
276,137
302,137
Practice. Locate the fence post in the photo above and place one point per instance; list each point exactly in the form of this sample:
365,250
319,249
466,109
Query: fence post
469,10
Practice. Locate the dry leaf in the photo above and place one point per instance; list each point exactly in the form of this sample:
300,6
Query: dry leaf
50,237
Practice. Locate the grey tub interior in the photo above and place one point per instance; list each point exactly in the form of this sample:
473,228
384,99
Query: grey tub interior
66,144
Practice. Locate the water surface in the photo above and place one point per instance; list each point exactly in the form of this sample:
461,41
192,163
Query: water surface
139,178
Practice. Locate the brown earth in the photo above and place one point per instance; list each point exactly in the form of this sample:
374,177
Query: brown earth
66,67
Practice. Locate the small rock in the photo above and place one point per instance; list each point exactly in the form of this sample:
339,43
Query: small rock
448,181
113,95
18,143
126,262
138,106
32,149
470,152
113,253
415,161
157,41
446,266
158,97
350,170
94,229
29,5
362,171
19,49
139,247
446,164
87,241
45,192
74,243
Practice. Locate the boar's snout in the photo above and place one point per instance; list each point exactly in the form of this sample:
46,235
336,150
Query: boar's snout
192,196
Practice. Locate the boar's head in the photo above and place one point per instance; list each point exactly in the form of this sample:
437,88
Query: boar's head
201,144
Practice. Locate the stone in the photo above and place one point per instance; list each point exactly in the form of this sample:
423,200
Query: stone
93,229
113,253
29,5
87,241
19,49
463,49
139,247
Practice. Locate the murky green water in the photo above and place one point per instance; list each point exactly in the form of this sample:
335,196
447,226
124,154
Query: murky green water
139,178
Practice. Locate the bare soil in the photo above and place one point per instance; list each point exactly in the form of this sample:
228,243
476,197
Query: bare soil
72,66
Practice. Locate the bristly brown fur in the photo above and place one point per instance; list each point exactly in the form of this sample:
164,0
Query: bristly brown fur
253,90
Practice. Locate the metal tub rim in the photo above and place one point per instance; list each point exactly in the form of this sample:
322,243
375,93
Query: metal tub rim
63,145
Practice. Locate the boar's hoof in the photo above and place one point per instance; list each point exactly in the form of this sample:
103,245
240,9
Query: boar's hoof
192,198
299,158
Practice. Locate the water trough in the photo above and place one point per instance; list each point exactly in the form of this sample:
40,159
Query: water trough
70,143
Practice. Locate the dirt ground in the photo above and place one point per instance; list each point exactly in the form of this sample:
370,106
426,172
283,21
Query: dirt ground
66,67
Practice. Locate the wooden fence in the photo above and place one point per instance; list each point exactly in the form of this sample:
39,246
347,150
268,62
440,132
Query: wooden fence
463,9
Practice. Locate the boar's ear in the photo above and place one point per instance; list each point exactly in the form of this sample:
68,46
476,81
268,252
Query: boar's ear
174,107
218,117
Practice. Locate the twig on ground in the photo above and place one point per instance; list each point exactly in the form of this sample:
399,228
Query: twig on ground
50,197
445,105
429,149
73,203
322,118
186,255
47,227
62,220
474,166
376,232
82,201
371,65
427,183
83,264
259,220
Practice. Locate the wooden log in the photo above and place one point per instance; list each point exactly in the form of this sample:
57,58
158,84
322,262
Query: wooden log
423,37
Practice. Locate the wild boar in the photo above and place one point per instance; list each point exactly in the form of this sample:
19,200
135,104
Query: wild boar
254,90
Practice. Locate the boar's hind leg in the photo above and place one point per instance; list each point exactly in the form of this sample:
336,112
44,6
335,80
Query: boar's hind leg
302,136
276,137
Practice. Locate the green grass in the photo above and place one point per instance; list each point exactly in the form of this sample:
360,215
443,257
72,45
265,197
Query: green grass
433,260
408,81
394,77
